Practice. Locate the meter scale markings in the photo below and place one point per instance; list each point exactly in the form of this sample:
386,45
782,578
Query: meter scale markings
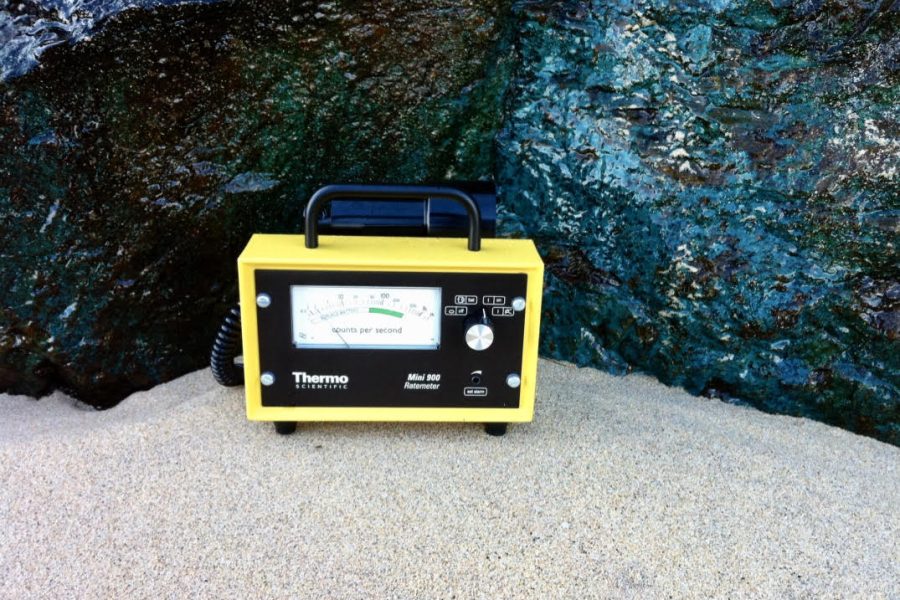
385,311
342,317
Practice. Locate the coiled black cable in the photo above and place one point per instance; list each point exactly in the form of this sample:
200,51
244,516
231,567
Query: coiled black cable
226,348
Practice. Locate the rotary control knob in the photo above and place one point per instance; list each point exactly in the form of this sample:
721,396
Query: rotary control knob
479,332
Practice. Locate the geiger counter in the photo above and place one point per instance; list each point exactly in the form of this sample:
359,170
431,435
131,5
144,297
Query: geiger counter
374,328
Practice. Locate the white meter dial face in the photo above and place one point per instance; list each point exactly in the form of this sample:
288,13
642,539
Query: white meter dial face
398,318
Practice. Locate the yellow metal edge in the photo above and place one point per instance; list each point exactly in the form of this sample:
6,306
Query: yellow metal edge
384,252
249,343
389,414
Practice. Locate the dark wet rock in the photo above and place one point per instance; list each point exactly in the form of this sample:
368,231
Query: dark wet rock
734,167
134,166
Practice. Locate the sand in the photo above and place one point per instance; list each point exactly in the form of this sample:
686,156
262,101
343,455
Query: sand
621,487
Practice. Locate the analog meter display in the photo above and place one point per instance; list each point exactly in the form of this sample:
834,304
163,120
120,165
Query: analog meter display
366,317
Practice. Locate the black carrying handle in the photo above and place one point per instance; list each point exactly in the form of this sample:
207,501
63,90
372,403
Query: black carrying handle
321,198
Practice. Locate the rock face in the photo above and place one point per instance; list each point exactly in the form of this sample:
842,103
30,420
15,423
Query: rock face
713,184
28,29
134,167
716,188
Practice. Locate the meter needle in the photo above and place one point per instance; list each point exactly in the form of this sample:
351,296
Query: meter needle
342,339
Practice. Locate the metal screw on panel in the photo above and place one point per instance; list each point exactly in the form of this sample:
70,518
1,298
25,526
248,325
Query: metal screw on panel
513,380
263,300
518,303
267,378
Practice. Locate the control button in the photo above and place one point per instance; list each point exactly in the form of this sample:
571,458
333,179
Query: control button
464,299
479,332
503,311
475,392
456,311
480,337
518,303
513,380
494,300
263,300
267,378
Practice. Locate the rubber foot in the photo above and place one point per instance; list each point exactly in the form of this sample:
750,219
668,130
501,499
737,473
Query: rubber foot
495,429
285,427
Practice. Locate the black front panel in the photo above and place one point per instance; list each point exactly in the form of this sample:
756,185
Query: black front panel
452,375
